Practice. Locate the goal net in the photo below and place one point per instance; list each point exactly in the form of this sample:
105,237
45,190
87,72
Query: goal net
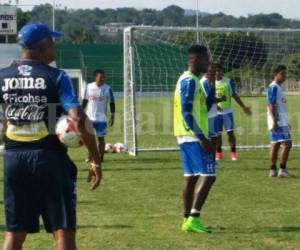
154,58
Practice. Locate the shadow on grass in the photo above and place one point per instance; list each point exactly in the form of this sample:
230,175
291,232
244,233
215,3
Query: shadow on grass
129,169
118,226
138,160
90,202
140,169
287,229
144,160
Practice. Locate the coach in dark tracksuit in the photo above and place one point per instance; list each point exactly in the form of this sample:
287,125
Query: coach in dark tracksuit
39,177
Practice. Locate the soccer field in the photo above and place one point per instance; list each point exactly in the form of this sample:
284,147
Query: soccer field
139,204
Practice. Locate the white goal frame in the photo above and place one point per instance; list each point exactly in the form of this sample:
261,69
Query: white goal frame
130,116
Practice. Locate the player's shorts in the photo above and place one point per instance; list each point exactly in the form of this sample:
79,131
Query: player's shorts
280,135
196,161
39,183
213,127
225,122
100,128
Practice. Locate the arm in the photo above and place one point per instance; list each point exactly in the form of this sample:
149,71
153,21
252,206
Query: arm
84,104
85,98
112,106
272,96
210,92
187,91
71,105
239,101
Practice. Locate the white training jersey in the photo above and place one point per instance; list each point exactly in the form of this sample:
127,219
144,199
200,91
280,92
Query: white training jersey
98,98
208,91
276,96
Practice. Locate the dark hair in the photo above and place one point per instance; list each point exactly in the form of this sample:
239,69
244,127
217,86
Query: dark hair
217,66
278,69
39,46
98,71
198,49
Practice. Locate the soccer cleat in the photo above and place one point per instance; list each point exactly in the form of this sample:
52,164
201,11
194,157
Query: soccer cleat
193,224
219,156
183,224
273,173
283,173
233,156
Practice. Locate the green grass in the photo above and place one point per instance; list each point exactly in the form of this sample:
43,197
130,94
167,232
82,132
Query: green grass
155,122
139,206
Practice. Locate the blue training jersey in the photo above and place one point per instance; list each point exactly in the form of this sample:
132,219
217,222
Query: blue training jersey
34,95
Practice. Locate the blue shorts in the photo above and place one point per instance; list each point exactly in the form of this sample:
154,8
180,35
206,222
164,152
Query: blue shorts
280,135
196,161
213,128
225,122
100,128
39,183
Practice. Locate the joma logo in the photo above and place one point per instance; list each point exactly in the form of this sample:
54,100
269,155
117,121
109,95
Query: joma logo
24,83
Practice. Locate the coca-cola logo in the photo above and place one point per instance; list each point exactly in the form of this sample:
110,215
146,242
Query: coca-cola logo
31,112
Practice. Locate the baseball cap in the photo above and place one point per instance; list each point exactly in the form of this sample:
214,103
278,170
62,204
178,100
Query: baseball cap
33,33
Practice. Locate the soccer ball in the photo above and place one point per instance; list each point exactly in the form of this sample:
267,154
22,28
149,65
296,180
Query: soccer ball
66,132
120,148
2,150
109,148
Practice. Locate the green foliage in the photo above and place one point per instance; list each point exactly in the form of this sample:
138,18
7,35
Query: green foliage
172,15
75,34
235,50
232,50
293,62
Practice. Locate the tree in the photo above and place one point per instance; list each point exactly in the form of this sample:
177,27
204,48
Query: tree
88,19
293,66
75,33
172,15
234,50
22,18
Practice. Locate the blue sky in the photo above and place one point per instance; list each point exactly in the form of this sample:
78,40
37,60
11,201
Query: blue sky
288,8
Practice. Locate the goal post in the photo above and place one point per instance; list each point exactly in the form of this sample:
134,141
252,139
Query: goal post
154,58
130,131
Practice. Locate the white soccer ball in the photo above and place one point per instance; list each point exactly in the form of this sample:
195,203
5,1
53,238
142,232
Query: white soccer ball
66,132
109,148
2,150
120,148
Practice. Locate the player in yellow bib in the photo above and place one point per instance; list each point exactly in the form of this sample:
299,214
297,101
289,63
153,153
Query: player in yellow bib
191,130
225,87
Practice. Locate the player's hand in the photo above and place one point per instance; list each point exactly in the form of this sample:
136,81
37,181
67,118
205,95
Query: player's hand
111,120
247,110
95,175
275,127
207,145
